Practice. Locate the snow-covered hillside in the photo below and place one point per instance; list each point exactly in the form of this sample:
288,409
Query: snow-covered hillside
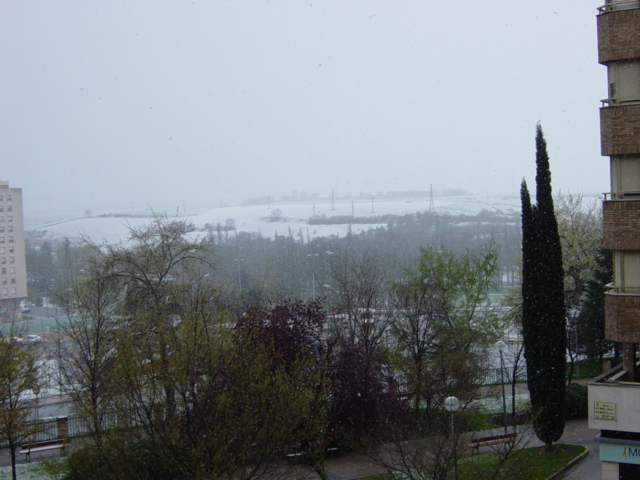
281,218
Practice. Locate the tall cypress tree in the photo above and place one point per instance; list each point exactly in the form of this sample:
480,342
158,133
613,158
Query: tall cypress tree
543,315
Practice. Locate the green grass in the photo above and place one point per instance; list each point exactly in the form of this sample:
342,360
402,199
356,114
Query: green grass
528,464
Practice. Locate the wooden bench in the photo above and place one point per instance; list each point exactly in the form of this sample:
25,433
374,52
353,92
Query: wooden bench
29,448
295,451
476,443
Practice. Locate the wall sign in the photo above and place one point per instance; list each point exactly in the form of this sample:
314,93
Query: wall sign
604,411
612,452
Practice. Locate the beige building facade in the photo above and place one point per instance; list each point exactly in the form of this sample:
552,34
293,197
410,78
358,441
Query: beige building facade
614,398
13,268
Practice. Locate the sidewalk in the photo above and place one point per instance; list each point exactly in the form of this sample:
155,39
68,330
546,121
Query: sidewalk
353,466
577,432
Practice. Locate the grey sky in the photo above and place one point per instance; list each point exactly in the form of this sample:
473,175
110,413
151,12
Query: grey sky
109,104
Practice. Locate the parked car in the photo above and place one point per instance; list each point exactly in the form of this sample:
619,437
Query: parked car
25,309
33,339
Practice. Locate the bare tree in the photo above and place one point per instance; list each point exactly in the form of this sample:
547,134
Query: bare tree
86,343
359,296
432,449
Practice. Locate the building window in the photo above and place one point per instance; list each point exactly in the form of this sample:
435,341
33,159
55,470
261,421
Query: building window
10,228
8,198
10,239
4,281
3,260
1,218
4,291
4,270
1,208
623,81
0,198
1,249
10,219
10,249
13,290
9,208
13,280
1,228
12,259
11,270
1,239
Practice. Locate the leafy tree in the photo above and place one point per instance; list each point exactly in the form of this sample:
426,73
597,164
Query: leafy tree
41,267
543,312
364,396
17,376
442,324
591,320
580,230
291,330
290,334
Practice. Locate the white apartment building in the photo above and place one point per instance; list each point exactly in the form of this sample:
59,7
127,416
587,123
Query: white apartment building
13,268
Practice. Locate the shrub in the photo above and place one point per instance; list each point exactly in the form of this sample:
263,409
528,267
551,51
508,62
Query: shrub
117,460
576,403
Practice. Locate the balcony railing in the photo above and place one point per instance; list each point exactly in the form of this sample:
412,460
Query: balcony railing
628,195
616,102
612,289
611,6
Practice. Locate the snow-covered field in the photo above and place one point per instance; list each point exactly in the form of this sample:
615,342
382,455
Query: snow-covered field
291,217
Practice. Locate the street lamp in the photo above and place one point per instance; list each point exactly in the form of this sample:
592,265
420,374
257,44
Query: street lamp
238,260
501,347
452,404
313,273
327,265
328,287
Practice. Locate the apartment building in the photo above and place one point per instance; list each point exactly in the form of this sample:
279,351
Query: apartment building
614,397
13,268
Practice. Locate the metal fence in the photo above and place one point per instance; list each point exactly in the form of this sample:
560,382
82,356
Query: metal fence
497,376
45,429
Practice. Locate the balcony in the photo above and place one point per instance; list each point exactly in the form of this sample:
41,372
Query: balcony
621,221
622,314
619,5
618,31
614,402
620,129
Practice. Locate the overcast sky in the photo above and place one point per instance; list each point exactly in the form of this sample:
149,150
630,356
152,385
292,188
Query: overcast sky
111,105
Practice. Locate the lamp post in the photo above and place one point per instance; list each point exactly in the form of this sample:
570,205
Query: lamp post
35,388
238,260
313,273
327,265
501,346
452,404
328,287
574,314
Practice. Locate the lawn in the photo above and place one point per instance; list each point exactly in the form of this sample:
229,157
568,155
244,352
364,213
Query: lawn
528,464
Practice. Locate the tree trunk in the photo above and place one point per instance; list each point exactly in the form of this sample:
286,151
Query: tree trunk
12,449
